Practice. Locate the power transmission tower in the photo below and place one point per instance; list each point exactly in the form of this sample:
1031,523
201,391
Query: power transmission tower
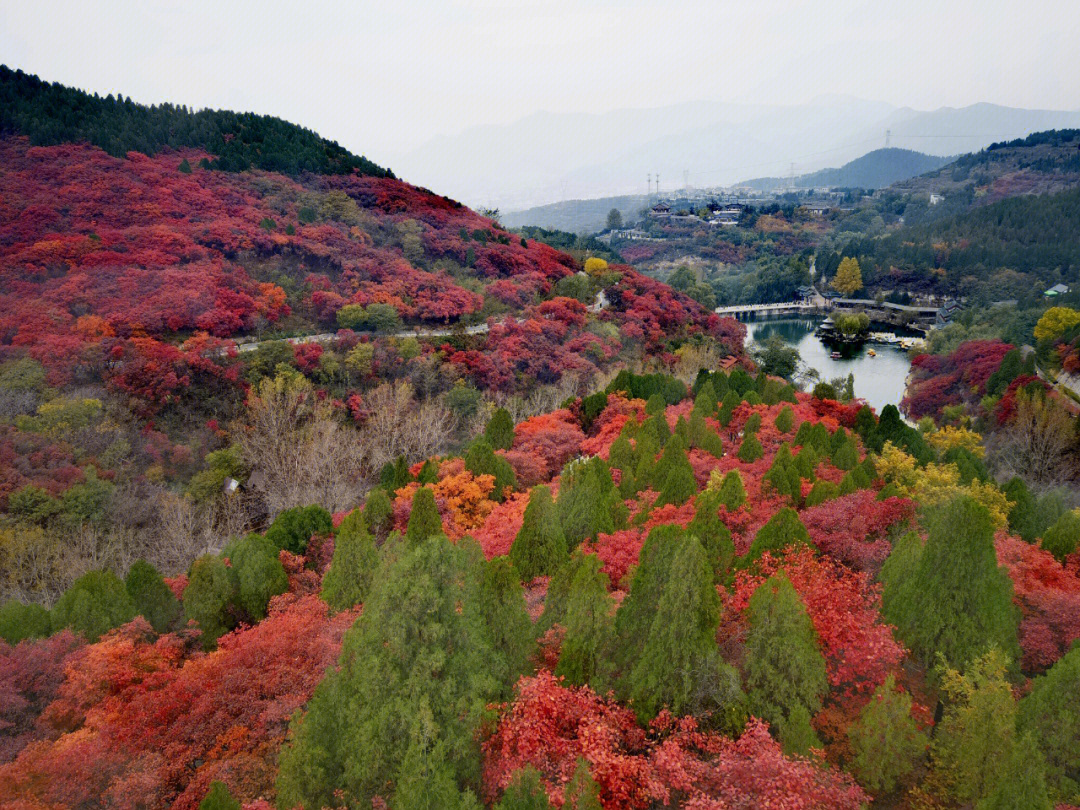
648,185
658,184
888,134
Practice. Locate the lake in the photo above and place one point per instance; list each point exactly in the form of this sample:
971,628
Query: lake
879,380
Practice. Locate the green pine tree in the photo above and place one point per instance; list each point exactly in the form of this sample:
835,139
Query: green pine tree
705,402
784,529
540,546
419,653
19,621
218,797
500,430
1022,514
633,619
784,667
352,569
257,572
727,407
501,603
1023,785
525,792
732,493
153,599
558,592
674,476
682,636
94,604
796,734
481,460
1062,538
588,625
785,420
956,601
714,536
750,450
656,404
210,591
1051,713
885,742
293,528
582,792
378,514
424,518
586,502
821,491
846,456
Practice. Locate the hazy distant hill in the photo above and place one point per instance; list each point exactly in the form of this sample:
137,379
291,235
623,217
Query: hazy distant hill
549,157
578,216
876,169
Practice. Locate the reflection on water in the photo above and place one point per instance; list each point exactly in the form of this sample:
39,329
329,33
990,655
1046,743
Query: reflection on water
879,380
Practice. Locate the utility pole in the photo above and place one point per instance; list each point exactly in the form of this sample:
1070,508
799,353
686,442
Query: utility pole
648,185
888,134
658,184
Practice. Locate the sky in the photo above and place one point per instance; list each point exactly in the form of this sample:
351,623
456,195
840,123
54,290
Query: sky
384,77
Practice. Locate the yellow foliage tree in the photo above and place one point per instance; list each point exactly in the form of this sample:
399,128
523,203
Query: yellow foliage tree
949,437
1055,321
938,483
848,277
594,266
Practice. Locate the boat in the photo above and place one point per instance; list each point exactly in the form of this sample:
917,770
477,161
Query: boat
871,353
835,355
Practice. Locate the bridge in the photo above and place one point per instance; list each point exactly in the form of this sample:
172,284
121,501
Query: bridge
786,308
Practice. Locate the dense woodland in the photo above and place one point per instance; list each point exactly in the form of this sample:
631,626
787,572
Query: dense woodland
559,560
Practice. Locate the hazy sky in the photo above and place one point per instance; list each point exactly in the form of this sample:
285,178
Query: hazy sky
383,77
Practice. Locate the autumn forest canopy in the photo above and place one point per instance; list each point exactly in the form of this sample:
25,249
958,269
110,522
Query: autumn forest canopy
318,489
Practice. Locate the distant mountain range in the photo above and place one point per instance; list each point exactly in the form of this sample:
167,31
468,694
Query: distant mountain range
548,157
876,169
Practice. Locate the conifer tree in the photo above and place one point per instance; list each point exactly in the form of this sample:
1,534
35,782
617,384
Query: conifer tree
153,599
293,528
621,458
1023,785
796,734
1062,538
750,450
846,456
219,798
645,450
674,475
885,742
957,601
714,536
500,601
633,619
784,667
975,736
705,402
481,460
732,493
784,529
821,491
582,792
588,501
681,637
94,604
20,621
209,592
424,518
727,407
500,430
378,514
785,420
588,625
1022,514
540,546
419,653
752,423
257,573
705,438
656,404
658,428
395,475
900,565
1051,713
558,592
352,569
804,436
429,473
525,792
682,431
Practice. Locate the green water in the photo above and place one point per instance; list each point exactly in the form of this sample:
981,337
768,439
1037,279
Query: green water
879,380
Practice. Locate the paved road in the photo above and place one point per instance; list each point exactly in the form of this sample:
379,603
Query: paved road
326,337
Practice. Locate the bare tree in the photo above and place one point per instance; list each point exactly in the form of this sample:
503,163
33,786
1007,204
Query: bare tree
299,452
398,425
1038,443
